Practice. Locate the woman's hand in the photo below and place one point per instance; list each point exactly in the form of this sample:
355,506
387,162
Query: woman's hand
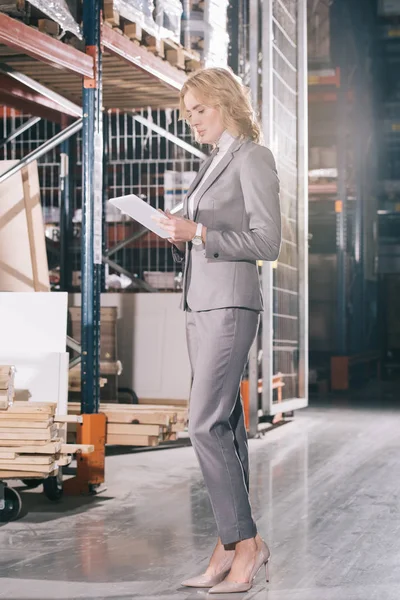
180,230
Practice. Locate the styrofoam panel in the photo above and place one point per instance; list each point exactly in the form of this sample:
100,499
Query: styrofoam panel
43,374
33,321
151,340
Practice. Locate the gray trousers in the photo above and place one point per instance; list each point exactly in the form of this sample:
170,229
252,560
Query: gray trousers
219,342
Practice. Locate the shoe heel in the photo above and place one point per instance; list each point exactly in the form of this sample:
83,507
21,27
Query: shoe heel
267,572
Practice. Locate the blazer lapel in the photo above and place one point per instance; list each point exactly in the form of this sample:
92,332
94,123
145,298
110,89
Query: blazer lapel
196,181
219,169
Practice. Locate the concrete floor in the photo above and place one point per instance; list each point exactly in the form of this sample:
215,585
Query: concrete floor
325,493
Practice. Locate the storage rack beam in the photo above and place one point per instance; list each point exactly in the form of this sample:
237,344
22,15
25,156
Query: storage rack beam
170,137
44,48
56,101
43,149
13,93
20,130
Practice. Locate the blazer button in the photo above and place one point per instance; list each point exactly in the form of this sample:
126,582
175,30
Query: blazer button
216,255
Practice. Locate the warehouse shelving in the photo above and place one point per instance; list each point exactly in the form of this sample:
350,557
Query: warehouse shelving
43,76
342,101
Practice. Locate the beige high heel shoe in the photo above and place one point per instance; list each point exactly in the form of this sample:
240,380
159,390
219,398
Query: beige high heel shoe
206,582
230,587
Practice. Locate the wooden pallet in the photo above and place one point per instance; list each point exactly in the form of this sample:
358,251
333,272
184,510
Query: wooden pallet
168,49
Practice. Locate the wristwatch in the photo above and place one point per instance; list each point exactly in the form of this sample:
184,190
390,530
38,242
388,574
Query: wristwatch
197,240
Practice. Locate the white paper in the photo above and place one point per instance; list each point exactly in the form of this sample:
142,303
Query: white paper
140,211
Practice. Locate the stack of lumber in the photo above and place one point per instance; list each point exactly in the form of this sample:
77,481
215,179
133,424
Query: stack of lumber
30,442
136,424
6,386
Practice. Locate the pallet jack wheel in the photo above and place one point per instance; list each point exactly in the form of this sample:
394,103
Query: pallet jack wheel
32,483
53,487
10,506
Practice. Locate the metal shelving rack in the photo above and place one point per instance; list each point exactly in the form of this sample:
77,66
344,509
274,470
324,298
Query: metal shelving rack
271,47
37,70
349,92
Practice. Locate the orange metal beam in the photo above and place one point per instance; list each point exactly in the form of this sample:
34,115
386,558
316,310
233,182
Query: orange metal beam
44,48
17,95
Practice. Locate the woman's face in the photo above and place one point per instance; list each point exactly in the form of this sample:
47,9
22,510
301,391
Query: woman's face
205,120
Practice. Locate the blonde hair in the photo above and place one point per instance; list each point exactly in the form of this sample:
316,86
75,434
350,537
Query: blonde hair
219,88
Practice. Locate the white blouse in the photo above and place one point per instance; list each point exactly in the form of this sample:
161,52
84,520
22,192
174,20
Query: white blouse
225,142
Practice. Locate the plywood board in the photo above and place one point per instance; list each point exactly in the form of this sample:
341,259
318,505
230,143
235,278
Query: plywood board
151,342
23,460
28,446
25,424
118,428
23,258
73,448
132,440
33,448
28,474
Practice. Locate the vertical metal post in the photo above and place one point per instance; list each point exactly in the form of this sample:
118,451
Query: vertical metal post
233,29
253,51
92,147
359,160
186,24
302,204
267,272
105,198
66,233
254,87
341,233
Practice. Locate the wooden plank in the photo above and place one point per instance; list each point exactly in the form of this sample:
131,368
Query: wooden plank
32,460
142,418
48,408
5,371
8,454
67,419
32,448
28,467
22,424
3,403
124,429
133,31
73,448
28,434
178,427
27,474
10,415
48,26
132,440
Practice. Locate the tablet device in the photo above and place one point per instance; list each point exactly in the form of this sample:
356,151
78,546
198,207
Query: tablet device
140,211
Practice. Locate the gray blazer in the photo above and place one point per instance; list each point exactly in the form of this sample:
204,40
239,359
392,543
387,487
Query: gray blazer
239,204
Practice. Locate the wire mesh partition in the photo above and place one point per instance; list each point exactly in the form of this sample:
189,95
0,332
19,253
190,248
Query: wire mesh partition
284,125
140,161
145,163
281,87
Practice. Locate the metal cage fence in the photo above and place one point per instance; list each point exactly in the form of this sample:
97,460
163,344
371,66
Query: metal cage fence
284,141
140,161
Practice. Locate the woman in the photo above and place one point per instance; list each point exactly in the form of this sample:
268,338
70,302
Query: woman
231,219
